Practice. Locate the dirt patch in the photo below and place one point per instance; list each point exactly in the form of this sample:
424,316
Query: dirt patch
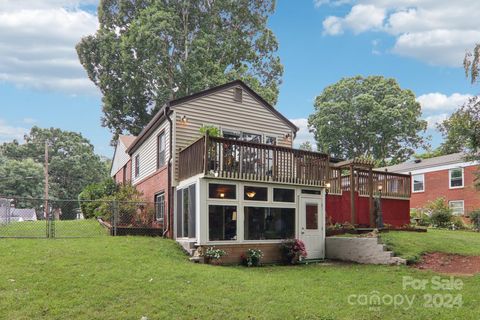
453,264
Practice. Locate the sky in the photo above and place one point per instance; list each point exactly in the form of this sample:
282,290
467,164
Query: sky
420,43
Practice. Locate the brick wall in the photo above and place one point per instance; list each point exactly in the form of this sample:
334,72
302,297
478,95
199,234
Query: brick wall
128,173
154,184
437,185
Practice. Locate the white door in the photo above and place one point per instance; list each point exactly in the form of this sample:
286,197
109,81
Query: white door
312,225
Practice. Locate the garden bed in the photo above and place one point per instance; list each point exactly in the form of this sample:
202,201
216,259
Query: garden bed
132,230
448,263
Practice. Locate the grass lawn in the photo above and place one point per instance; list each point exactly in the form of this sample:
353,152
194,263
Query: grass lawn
411,245
63,228
131,277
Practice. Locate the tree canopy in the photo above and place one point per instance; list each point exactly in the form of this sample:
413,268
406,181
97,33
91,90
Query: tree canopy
21,178
73,163
149,51
368,117
471,64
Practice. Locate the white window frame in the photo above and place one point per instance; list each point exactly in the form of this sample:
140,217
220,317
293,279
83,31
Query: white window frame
156,203
450,178
463,206
413,183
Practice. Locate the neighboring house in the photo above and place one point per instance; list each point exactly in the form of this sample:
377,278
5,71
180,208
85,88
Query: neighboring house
10,214
450,177
121,170
247,188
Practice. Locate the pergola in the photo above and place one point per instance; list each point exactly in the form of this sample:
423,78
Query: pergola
352,165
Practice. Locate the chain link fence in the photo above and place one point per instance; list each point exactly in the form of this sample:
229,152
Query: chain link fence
40,218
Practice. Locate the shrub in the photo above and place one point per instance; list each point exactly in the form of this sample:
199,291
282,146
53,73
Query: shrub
252,257
293,251
475,219
131,206
439,212
214,254
95,191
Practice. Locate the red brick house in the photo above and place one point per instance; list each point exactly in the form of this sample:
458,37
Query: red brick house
248,187
450,177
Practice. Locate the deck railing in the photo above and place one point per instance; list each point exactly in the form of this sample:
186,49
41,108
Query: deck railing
234,159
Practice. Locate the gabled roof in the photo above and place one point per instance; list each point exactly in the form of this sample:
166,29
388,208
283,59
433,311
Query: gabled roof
418,164
126,140
158,118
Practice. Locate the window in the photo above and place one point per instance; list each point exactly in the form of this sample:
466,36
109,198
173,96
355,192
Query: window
311,216
418,183
457,207
283,195
161,145
124,172
159,206
222,223
222,191
137,165
308,191
255,193
263,223
238,94
186,222
456,178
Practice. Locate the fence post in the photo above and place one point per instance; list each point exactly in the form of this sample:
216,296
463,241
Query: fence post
115,217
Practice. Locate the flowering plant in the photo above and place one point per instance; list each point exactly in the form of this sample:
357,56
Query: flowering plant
252,257
215,254
293,251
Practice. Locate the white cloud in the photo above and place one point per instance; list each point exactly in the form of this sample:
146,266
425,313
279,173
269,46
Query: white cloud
432,121
436,101
303,134
335,3
29,120
37,44
9,133
437,32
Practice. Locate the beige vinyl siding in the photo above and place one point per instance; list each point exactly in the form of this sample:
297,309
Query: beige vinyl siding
120,158
148,153
220,109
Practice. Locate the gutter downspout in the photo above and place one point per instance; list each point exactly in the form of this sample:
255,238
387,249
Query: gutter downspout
169,171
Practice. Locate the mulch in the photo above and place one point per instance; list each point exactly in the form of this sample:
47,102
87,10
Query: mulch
452,264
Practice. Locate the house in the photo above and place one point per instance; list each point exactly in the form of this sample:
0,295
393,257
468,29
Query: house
247,187
450,177
10,214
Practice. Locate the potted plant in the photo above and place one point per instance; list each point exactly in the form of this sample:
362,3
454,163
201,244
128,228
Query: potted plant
214,256
293,251
252,257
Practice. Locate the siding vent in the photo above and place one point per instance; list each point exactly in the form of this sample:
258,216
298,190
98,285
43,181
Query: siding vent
238,94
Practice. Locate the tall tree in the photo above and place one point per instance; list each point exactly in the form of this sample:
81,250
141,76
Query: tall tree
368,117
148,51
21,178
471,64
306,146
73,163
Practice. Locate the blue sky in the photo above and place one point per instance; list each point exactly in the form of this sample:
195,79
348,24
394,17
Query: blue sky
422,46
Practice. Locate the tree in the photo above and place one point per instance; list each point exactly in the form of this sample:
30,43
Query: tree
72,161
21,178
92,195
471,64
368,117
149,51
306,146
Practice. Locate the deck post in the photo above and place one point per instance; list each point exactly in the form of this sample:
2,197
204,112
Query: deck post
370,198
205,157
352,195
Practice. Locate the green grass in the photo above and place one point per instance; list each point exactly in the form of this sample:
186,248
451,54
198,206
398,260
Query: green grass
131,277
63,228
411,245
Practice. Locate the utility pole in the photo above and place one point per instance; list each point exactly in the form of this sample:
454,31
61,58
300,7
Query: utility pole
46,179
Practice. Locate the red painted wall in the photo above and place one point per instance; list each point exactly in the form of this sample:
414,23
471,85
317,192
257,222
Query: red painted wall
395,211
437,185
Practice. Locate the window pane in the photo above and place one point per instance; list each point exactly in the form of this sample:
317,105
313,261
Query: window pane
418,182
222,223
255,193
456,178
457,207
311,212
283,195
307,191
269,223
161,150
160,206
222,191
185,212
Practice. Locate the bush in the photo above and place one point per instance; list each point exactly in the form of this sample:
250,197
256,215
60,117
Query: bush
293,251
457,223
214,255
439,212
252,257
419,218
129,202
475,219
95,191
